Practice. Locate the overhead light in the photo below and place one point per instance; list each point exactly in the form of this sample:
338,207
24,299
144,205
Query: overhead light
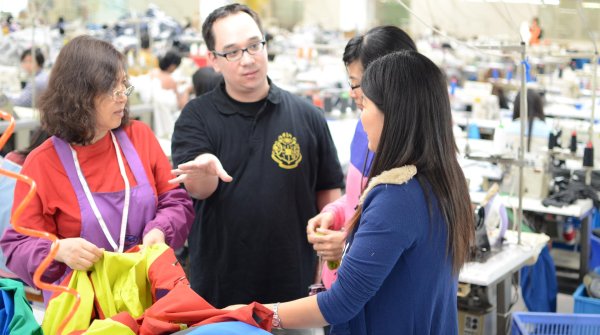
531,2
591,5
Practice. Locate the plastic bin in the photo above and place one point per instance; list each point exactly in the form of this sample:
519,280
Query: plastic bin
594,252
583,304
554,324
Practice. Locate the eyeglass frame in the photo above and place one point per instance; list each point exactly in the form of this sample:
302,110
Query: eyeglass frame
118,94
246,49
353,87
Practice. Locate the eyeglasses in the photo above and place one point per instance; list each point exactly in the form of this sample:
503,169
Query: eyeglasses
353,87
119,94
237,54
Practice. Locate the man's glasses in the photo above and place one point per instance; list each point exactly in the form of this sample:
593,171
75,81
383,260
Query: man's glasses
120,94
237,54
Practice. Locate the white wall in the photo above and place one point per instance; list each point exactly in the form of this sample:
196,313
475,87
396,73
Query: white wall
462,18
343,15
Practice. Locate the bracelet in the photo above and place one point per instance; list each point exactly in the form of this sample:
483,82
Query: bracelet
276,320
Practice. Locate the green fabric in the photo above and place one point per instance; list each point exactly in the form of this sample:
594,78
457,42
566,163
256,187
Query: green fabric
23,321
119,283
108,327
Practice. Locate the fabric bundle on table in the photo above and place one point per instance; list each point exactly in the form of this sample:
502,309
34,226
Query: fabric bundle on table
140,292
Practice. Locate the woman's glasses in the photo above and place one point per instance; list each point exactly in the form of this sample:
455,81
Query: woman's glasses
117,95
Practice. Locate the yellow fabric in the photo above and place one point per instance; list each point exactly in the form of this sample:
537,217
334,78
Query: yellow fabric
59,307
108,327
117,280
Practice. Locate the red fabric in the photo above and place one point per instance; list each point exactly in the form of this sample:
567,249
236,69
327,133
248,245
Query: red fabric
165,273
56,203
127,320
183,306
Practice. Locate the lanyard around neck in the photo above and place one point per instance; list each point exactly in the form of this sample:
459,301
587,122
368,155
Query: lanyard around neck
88,194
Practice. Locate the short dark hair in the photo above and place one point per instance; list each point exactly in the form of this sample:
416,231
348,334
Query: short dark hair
221,12
85,68
410,90
172,57
39,56
535,109
375,43
145,41
205,79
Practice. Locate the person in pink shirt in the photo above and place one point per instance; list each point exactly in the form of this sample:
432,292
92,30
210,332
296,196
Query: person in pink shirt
325,231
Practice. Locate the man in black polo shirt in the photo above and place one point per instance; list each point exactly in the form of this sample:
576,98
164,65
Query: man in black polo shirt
260,162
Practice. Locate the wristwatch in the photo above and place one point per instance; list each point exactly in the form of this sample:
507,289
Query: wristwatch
276,320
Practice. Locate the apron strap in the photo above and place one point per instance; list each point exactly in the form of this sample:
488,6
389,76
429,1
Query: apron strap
133,159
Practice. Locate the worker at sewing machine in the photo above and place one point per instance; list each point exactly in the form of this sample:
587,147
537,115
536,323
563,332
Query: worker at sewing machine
32,62
535,144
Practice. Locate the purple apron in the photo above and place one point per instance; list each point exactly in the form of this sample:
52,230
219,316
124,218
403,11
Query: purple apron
110,204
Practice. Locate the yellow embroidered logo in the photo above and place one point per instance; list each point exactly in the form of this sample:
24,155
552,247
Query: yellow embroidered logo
286,151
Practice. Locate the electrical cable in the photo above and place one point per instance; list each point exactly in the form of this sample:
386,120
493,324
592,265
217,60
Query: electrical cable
586,26
37,276
453,39
512,21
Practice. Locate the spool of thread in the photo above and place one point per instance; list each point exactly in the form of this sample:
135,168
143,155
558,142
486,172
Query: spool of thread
588,155
317,101
327,104
473,131
453,85
499,140
573,144
551,141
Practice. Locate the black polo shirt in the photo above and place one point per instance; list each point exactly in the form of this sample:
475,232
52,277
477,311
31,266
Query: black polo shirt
248,242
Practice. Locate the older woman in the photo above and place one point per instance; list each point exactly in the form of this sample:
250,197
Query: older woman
102,179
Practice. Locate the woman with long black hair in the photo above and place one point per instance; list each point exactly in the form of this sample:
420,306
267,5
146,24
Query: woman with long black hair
414,225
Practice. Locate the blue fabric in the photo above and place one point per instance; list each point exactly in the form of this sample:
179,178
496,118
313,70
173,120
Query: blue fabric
226,328
360,155
4,319
7,311
539,285
7,187
395,277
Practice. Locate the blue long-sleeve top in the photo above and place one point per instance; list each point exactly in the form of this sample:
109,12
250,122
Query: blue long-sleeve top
25,98
395,277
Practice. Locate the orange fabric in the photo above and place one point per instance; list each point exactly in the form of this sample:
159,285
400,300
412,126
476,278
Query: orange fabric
56,200
164,274
183,306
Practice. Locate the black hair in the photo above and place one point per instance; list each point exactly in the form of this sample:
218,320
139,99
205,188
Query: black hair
172,57
39,56
410,90
535,109
221,12
375,43
205,79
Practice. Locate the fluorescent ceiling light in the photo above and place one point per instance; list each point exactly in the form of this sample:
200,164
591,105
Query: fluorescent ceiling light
591,5
531,2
